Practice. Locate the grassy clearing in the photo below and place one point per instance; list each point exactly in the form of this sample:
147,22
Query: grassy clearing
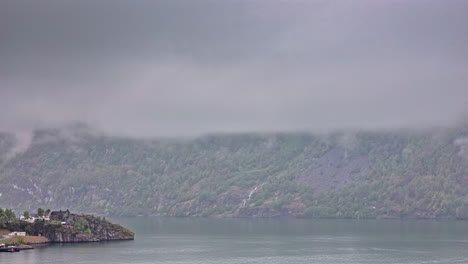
24,239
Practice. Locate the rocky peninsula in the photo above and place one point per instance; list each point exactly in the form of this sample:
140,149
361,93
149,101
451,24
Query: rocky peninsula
64,227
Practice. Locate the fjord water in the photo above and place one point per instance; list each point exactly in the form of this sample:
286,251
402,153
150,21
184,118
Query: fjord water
242,241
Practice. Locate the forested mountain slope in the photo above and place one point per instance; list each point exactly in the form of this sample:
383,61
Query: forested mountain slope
347,175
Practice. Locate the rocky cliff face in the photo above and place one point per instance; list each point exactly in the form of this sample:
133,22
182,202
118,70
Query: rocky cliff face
67,227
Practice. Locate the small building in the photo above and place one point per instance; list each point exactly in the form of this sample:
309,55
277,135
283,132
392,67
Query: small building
33,219
16,233
29,220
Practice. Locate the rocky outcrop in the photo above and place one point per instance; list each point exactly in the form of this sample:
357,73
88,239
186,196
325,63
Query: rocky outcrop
67,227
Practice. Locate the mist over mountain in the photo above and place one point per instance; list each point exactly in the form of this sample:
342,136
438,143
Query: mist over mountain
235,108
401,173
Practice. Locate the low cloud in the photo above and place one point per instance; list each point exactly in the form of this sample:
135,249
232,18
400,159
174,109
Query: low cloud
233,67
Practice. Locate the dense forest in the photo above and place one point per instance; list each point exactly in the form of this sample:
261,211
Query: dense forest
378,174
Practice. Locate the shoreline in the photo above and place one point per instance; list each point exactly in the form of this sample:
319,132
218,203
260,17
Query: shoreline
292,217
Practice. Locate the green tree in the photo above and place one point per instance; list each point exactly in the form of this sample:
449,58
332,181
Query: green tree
26,214
82,225
28,229
9,214
40,212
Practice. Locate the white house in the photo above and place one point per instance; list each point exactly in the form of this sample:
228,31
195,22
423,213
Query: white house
16,233
32,219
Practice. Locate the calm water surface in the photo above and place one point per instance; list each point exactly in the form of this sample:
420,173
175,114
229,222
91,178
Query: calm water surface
229,241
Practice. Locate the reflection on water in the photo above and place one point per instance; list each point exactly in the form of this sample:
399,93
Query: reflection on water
229,241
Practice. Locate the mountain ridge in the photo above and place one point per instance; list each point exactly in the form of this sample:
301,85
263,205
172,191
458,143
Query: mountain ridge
380,174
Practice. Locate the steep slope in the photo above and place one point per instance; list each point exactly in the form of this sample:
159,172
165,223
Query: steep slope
356,175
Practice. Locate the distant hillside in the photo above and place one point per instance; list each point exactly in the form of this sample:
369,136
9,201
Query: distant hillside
347,175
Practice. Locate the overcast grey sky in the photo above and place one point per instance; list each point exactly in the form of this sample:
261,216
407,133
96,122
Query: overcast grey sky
182,68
